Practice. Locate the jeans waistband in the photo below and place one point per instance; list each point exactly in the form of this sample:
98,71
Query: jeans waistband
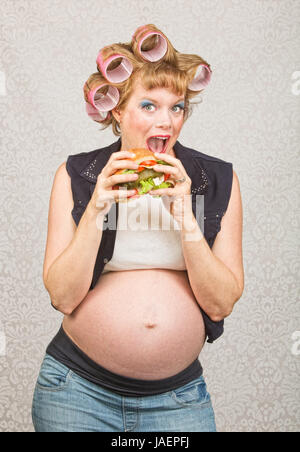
63,349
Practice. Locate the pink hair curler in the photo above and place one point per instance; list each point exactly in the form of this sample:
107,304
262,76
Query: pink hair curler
95,114
155,44
118,74
104,102
98,104
138,31
158,51
201,79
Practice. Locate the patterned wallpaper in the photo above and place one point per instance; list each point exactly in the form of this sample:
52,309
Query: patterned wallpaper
249,116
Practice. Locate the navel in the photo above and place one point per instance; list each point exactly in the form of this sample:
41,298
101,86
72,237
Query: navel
150,325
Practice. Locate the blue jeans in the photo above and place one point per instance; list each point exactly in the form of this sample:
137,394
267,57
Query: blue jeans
65,402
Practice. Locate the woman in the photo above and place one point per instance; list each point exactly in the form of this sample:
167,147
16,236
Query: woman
138,304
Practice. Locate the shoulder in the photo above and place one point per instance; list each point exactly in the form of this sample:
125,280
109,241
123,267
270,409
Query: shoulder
235,180
235,195
89,164
77,162
216,166
61,178
219,172
207,158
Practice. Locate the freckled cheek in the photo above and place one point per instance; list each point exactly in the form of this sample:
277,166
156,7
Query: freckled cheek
178,125
139,122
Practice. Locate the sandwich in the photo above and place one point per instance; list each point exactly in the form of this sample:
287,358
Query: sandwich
148,179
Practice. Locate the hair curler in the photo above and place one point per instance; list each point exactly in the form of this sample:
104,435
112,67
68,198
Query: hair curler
100,102
201,78
137,32
196,68
156,44
107,59
95,114
104,102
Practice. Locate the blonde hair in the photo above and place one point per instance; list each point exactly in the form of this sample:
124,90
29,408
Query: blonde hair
174,72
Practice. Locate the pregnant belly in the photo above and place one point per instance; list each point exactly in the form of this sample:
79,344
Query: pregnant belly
142,324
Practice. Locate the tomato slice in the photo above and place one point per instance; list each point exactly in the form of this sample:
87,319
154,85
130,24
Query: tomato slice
166,176
148,162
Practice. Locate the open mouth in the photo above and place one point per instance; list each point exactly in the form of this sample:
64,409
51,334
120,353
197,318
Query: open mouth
158,143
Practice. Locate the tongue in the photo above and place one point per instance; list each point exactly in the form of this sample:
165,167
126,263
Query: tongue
156,144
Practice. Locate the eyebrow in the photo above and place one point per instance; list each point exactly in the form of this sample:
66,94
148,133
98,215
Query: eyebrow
154,100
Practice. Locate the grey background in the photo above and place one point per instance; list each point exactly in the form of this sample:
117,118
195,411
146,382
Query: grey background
249,116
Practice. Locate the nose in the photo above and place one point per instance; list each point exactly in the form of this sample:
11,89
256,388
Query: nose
164,120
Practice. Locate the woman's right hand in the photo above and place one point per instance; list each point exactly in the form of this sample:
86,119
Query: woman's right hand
104,196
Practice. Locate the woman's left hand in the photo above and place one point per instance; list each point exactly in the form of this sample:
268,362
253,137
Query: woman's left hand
177,199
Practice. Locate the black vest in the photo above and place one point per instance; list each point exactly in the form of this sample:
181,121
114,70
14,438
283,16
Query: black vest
211,179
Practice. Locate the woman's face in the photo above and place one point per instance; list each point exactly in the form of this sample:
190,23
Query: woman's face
156,112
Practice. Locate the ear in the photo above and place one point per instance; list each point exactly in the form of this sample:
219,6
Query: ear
116,114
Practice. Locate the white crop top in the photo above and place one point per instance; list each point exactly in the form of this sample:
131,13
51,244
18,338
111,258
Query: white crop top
147,237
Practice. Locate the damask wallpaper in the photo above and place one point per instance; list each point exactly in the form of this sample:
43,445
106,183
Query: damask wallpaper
249,116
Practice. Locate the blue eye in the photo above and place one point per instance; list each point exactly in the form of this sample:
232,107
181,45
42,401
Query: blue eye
180,106
145,105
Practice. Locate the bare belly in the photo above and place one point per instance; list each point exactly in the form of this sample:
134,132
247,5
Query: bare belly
143,324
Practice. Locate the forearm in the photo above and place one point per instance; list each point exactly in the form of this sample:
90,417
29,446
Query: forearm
214,285
70,275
